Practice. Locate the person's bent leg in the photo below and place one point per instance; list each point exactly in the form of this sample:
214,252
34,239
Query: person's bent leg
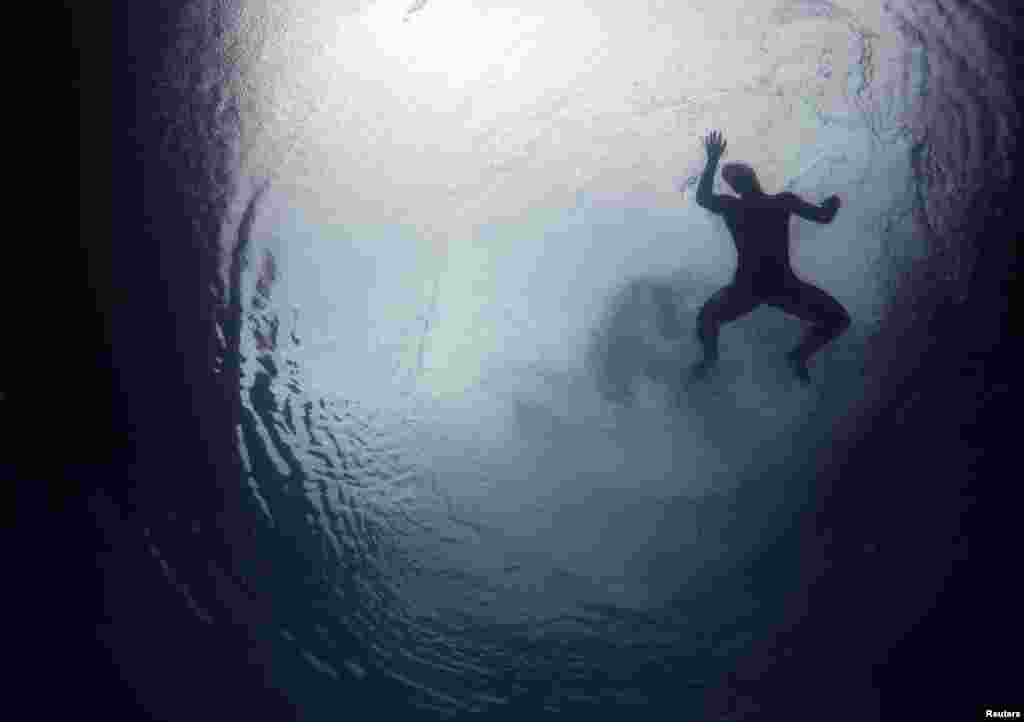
727,304
826,315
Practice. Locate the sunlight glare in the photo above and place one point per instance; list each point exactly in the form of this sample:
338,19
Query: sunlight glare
452,40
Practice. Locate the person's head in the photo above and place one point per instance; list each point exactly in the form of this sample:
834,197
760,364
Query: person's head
742,178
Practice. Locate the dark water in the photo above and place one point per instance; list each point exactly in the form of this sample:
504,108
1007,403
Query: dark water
276,553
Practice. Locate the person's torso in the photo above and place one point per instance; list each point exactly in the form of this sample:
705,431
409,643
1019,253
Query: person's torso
760,232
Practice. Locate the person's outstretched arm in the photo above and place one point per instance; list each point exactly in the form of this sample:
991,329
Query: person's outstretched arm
824,213
715,146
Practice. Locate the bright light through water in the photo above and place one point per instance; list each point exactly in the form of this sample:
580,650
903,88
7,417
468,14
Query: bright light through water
484,154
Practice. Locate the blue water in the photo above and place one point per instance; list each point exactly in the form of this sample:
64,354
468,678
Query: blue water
589,540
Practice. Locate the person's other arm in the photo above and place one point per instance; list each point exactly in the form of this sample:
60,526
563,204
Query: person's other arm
825,213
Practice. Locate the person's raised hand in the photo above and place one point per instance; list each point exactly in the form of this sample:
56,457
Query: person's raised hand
714,143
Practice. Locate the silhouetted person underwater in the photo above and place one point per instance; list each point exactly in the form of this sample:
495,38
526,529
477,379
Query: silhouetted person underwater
759,224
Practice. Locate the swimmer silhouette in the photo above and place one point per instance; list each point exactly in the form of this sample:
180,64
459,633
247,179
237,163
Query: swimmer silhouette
759,224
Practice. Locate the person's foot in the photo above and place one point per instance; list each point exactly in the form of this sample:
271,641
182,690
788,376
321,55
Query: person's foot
799,367
700,371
